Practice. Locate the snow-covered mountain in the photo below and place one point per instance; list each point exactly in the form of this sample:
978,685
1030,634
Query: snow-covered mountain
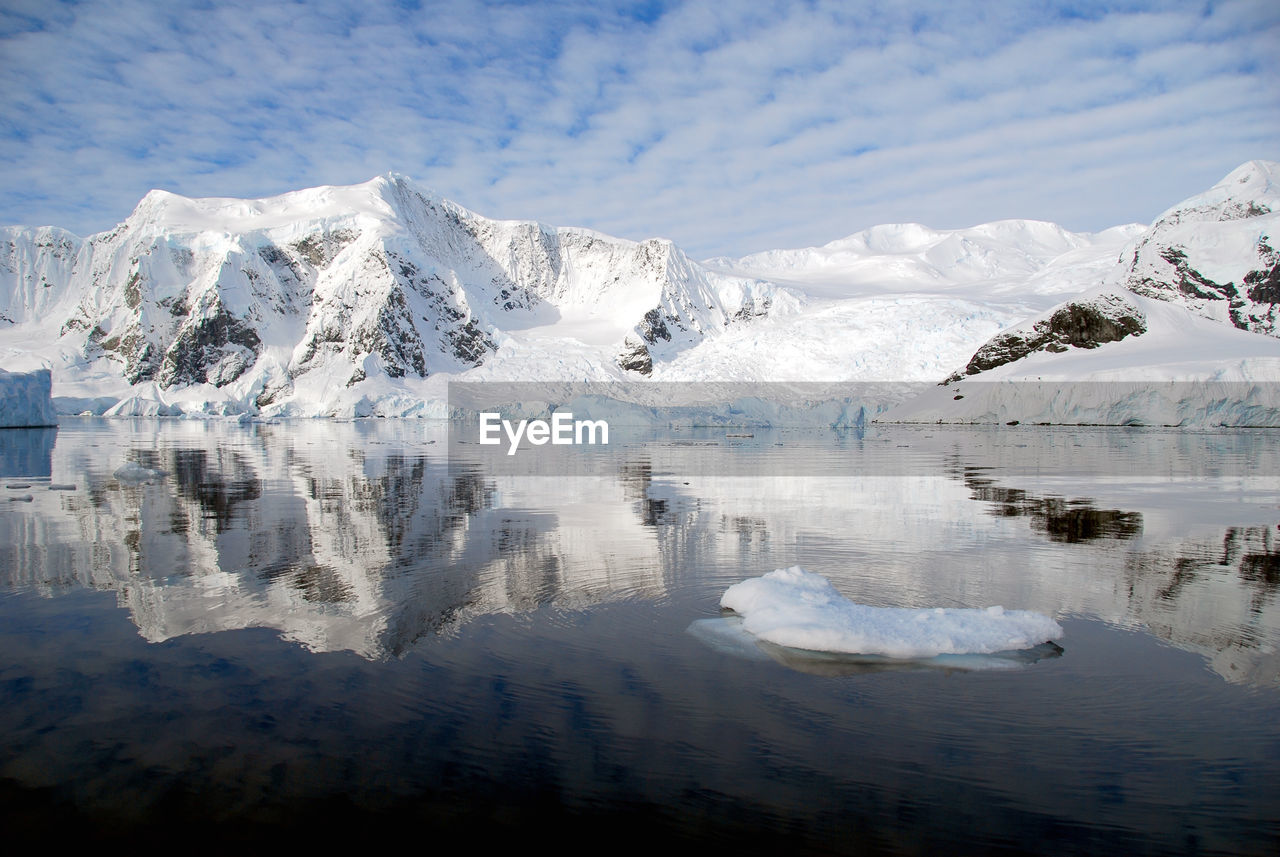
1210,254
1183,305
284,304
369,299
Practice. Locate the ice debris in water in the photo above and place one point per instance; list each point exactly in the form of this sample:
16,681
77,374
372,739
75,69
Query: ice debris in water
132,471
798,609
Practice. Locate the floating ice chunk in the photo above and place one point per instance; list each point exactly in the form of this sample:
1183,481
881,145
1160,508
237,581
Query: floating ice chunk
798,609
132,471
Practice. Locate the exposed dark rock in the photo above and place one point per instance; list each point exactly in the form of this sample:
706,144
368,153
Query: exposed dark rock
140,358
1241,210
1169,261
133,290
1189,282
398,342
752,309
635,357
215,349
183,258
469,343
653,327
273,392
1263,285
324,339
1079,324
319,249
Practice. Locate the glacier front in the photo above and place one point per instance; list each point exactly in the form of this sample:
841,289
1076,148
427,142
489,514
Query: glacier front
25,400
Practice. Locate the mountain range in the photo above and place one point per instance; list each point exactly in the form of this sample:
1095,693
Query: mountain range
368,299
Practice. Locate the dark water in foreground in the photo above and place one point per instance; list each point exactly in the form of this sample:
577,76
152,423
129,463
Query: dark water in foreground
314,633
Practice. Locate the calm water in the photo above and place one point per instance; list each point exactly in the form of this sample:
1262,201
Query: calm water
318,631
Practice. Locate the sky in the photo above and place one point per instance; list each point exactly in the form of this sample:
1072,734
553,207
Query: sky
727,127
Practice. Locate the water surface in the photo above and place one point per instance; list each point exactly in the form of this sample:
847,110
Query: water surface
307,631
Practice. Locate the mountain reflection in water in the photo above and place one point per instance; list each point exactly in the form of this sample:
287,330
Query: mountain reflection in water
363,536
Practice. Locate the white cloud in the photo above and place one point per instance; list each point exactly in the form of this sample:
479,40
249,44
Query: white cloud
728,127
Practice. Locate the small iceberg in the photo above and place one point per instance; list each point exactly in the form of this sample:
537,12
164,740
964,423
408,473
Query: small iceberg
799,610
132,471
25,400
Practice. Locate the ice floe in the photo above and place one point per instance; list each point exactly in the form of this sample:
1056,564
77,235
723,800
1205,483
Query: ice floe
799,609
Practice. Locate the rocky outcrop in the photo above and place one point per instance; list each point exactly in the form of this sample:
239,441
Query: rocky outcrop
635,357
215,349
1077,324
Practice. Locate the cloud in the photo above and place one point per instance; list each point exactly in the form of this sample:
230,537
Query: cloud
728,127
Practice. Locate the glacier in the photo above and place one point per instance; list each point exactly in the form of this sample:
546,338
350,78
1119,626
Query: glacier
371,300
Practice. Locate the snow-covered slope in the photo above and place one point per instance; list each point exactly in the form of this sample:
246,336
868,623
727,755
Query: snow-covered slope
35,271
1005,257
369,299
903,302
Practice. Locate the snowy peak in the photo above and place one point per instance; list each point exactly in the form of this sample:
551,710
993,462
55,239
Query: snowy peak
1216,252
368,298
164,212
1250,190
